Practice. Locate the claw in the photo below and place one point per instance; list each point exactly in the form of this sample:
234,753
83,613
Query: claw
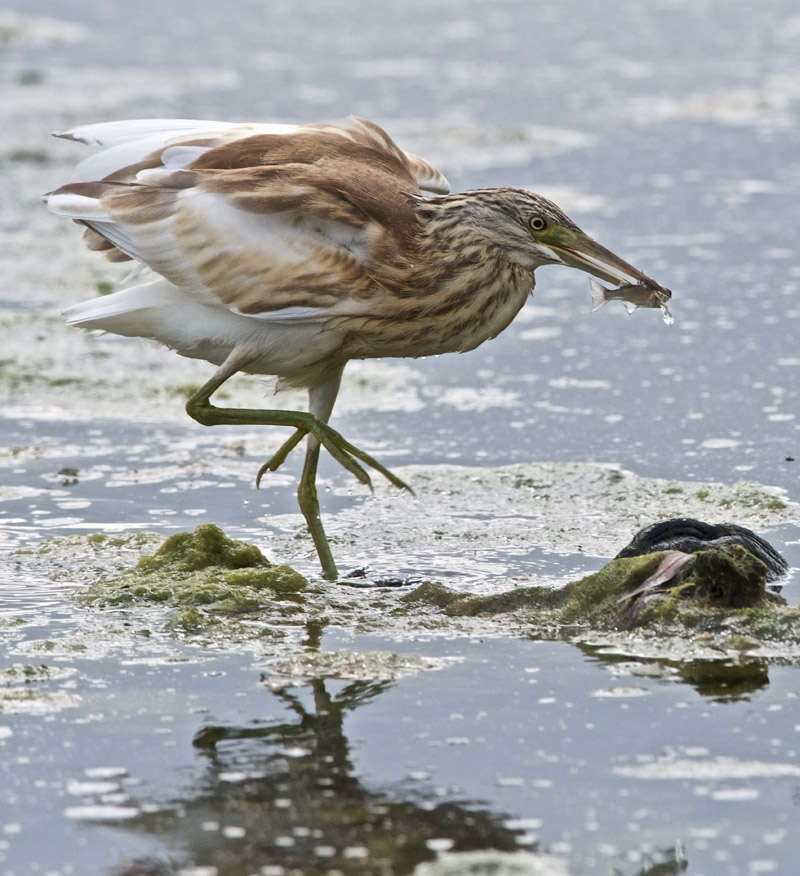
345,453
373,463
279,457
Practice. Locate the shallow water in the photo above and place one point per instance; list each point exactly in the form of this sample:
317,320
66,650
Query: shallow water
669,131
607,764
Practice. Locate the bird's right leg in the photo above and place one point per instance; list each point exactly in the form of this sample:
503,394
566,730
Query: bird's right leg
346,454
320,404
314,425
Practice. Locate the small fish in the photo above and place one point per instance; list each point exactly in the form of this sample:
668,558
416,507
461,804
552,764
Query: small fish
633,296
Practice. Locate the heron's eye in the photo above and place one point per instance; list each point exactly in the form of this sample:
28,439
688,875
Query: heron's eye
537,223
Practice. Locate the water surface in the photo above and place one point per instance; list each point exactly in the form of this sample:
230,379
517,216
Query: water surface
669,131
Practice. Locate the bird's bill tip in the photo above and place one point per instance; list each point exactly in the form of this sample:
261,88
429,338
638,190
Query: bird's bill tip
585,254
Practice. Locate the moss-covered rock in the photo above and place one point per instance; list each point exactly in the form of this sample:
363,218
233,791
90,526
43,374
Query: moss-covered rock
206,547
728,576
714,590
592,601
430,593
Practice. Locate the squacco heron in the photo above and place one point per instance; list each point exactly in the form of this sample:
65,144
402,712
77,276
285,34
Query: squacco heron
288,250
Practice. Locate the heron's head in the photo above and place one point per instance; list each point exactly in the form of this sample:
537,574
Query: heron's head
533,231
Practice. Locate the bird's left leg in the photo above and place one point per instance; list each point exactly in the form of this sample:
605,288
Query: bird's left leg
320,403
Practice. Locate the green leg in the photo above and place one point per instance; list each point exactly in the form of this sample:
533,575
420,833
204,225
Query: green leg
309,505
199,407
346,454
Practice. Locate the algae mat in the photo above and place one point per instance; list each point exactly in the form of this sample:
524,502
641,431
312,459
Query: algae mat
207,590
500,516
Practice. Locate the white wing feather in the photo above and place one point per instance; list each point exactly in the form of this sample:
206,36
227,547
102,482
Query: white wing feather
126,143
111,134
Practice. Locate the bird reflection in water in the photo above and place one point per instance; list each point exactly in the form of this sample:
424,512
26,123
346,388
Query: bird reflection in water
292,792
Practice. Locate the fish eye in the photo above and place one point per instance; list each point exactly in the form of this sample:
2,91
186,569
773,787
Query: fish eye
537,223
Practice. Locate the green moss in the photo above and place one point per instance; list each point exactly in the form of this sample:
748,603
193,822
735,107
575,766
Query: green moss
25,673
596,599
720,593
430,593
529,484
539,599
666,612
689,615
203,576
750,495
771,623
740,643
728,576
206,547
10,697
188,619
128,540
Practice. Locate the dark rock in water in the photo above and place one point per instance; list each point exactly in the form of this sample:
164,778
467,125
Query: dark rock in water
691,536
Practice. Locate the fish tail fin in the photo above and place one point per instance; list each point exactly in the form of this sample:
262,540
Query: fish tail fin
598,294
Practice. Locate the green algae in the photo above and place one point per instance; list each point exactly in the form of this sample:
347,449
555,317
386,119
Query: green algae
728,576
26,689
591,601
490,513
205,577
26,673
351,665
204,585
430,593
719,591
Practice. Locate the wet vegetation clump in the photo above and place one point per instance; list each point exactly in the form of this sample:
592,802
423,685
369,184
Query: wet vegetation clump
719,590
205,576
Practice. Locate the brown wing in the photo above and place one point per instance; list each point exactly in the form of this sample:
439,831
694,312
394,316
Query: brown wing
255,219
